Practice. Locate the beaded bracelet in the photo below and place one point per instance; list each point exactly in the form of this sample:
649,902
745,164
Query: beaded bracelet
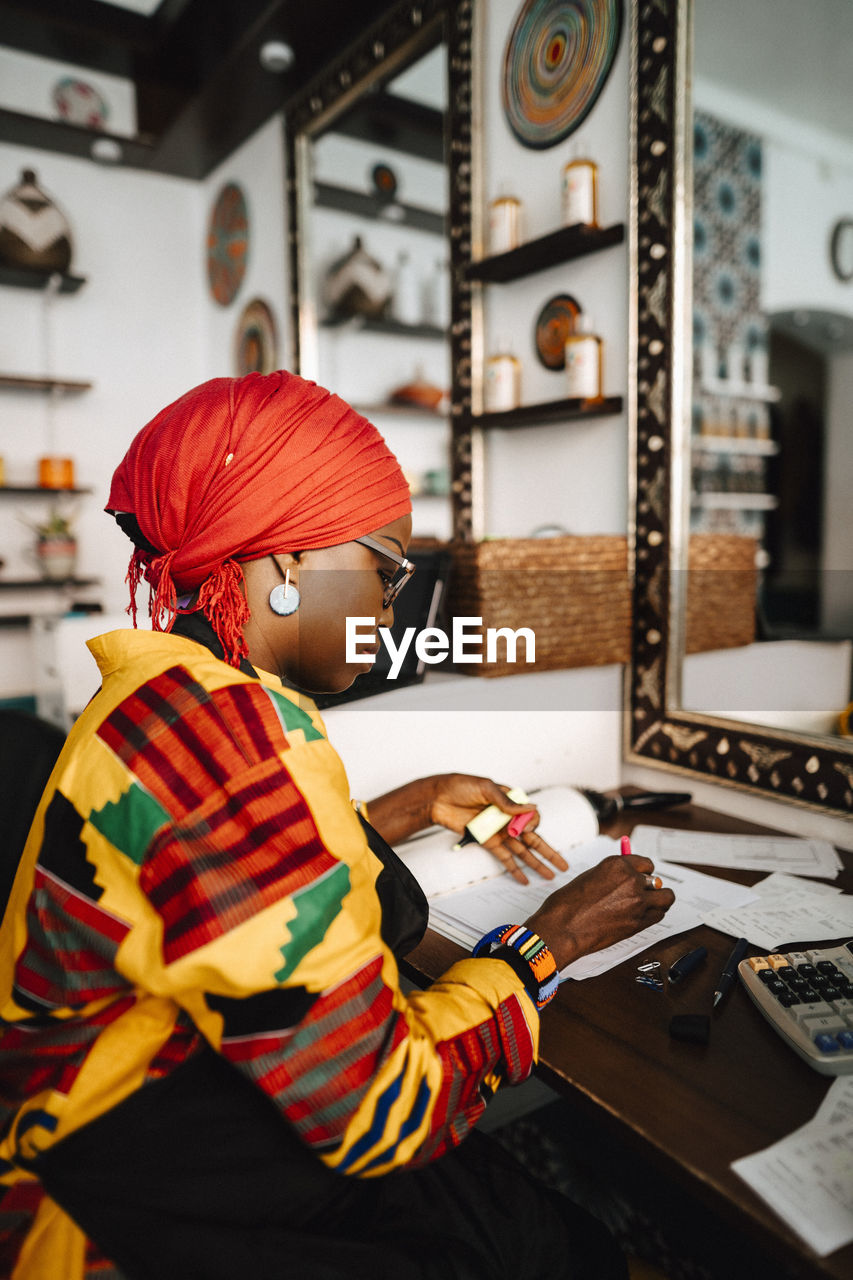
530,947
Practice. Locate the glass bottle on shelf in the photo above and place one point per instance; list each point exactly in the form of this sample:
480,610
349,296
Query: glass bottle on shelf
584,361
504,224
580,192
502,381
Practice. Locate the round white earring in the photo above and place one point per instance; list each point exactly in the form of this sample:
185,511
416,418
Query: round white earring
285,598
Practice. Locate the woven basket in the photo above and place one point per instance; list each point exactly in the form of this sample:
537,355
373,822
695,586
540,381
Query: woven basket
721,591
573,592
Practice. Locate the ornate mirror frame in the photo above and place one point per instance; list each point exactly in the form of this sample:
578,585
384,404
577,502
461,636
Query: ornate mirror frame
812,772
383,47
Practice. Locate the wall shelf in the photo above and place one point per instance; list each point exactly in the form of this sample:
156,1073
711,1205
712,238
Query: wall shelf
736,444
17,382
736,501
528,415
558,246
28,584
37,491
20,279
365,204
740,390
421,412
393,328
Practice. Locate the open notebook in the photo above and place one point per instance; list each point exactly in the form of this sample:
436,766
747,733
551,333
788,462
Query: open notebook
567,820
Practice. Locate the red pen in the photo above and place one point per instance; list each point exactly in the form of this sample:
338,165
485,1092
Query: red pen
624,846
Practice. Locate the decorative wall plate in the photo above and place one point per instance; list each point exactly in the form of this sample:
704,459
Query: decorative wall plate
79,103
384,181
554,323
557,58
256,341
227,243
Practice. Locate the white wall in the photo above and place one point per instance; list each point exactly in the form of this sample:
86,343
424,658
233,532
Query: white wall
574,475
143,329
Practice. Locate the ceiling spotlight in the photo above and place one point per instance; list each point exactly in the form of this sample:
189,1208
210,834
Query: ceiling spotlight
276,56
106,151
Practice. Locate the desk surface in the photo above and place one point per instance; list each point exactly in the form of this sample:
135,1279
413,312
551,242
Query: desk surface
691,1109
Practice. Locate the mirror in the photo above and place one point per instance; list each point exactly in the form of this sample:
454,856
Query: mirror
719,340
380,215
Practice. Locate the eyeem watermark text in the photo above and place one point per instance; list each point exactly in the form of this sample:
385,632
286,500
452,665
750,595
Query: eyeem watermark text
432,645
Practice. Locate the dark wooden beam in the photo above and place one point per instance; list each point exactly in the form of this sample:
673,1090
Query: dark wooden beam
87,33
398,123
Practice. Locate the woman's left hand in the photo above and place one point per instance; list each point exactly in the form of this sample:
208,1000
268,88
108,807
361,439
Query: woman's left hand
459,797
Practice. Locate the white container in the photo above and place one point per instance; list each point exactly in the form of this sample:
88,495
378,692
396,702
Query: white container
504,224
406,299
580,193
502,384
584,362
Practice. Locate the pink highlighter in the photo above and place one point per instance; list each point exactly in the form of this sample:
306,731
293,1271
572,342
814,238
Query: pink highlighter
516,825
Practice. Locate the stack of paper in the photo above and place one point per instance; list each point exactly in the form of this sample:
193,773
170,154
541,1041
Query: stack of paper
748,853
785,910
807,1178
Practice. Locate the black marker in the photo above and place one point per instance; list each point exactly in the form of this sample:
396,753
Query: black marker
687,963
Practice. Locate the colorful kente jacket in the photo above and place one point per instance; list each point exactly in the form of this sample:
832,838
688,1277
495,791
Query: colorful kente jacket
196,873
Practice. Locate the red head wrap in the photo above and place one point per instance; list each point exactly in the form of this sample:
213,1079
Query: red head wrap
241,467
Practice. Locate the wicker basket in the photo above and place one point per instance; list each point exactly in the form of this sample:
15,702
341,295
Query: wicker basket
573,592
721,591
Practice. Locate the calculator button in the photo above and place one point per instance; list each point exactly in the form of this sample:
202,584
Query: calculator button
787,999
827,1043
826,966
828,1024
778,961
806,970
845,1039
787,974
809,997
758,964
767,976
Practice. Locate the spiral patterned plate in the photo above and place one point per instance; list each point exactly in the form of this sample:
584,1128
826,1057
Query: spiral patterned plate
227,243
557,58
554,323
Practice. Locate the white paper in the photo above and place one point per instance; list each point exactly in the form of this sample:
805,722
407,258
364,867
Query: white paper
466,914
747,853
807,1178
786,910
566,819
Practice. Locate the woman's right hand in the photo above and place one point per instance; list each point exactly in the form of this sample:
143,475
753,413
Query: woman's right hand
601,906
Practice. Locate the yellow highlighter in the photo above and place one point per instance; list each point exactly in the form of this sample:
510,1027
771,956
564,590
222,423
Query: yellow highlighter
490,820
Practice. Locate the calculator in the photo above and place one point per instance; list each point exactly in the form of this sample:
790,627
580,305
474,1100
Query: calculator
807,996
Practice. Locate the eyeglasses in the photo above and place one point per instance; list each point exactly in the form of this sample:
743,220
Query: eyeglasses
401,575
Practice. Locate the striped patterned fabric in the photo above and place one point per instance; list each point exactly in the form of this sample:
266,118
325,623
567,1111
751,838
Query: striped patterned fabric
196,873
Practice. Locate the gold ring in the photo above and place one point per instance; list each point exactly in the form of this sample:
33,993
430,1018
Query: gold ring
653,882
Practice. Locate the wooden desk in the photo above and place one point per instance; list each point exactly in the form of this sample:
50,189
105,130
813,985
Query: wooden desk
690,1109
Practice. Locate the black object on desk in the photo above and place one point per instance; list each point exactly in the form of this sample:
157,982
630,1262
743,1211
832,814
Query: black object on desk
687,963
607,807
727,977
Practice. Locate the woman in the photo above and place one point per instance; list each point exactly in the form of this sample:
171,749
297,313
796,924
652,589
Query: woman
208,1061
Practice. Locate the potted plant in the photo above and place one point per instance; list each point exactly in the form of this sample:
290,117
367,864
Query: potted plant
56,546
